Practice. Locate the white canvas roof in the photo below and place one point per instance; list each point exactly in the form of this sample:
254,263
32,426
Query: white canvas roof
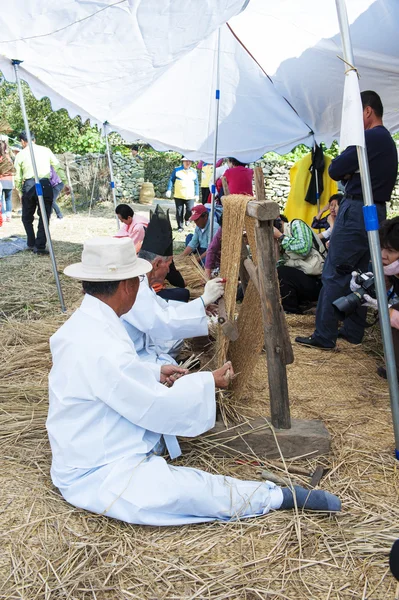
148,67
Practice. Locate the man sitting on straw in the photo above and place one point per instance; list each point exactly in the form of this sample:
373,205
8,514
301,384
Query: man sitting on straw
109,414
156,327
201,238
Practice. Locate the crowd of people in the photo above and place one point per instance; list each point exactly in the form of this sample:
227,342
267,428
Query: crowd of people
111,424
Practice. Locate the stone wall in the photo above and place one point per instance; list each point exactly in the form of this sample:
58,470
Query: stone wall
128,176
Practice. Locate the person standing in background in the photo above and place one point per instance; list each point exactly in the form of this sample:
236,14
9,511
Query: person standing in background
6,180
238,177
185,182
57,186
25,182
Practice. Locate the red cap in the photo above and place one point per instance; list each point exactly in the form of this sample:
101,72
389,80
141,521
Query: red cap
197,212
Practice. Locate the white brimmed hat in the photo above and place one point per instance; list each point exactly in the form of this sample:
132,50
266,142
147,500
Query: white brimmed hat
185,158
108,259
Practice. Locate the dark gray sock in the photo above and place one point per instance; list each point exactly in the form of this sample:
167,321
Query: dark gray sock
310,499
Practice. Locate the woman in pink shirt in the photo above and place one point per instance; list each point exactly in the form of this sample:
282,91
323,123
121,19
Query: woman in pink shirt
133,226
239,178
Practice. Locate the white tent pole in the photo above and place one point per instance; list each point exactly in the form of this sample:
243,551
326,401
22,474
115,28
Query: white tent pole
215,148
111,172
68,174
39,190
371,224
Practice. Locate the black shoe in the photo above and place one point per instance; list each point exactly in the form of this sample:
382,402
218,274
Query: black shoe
341,335
40,251
312,342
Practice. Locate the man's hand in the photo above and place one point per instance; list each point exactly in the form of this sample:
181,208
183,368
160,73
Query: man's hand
196,198
213,290
211,310
223,376
170,373
277,233
394,318
66,189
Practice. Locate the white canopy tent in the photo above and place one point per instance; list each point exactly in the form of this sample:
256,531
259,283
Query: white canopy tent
148,67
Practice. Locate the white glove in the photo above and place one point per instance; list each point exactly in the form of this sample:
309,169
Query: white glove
213,290
196,198
370,302
168,194
356,286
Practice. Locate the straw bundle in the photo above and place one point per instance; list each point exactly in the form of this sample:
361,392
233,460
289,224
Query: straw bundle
192,273
51,550
234,209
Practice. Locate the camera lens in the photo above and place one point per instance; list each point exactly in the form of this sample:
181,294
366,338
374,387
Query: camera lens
346,305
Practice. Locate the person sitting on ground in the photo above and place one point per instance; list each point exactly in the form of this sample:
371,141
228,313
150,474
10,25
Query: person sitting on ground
199,240
328,222
239,178
389,240
300,264
109,422
213,255
133,226
156,327
184,181
159,241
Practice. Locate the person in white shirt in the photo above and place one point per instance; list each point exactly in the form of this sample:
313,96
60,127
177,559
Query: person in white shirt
109,414
157,327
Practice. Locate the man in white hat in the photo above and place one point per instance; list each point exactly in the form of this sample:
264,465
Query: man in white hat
109,414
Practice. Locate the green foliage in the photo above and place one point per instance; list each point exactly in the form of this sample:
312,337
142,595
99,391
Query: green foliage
300,151
89,142
52,128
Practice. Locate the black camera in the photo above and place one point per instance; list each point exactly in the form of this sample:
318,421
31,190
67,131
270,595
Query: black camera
347,305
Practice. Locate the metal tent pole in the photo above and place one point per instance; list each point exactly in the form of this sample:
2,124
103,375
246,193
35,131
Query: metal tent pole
215,148
111,172
371,224
68,174
39,190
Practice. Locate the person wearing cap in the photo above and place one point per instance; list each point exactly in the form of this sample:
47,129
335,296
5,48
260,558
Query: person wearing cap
110,417
184,180
200,239
156,327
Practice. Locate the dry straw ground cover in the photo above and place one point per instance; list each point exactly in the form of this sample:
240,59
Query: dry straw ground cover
49,550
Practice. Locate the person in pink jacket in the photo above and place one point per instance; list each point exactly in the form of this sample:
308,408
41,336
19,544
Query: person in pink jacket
133,226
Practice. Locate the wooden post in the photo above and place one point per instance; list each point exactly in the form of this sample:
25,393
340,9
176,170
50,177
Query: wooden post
270,303
275,341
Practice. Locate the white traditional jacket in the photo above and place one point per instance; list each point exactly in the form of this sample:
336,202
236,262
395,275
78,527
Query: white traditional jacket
156,326
107,414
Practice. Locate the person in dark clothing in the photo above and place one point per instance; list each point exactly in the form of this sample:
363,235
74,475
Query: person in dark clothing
179,292
349,242
389,239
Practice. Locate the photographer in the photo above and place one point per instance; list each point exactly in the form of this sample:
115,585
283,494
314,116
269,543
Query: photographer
389,239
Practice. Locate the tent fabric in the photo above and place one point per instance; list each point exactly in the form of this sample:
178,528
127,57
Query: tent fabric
297,44
149,67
